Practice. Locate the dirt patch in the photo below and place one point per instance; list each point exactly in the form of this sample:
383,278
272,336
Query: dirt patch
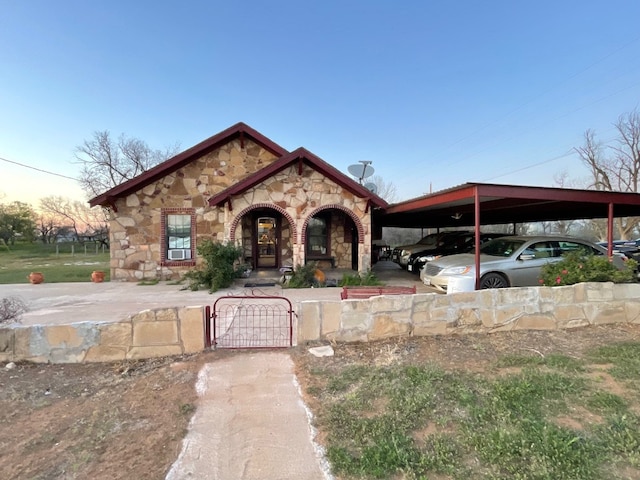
127,420
119,420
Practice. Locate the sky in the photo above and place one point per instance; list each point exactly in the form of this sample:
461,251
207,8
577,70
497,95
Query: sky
433,93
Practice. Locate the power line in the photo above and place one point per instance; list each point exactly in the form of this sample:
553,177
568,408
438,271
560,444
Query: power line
558,117
38,169
530,166
536,97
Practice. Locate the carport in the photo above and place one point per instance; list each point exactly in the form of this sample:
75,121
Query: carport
476,204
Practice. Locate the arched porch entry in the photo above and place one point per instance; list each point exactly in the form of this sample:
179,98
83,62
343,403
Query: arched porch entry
332,235
267,236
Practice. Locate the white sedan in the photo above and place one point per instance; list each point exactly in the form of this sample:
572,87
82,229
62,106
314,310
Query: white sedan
505,262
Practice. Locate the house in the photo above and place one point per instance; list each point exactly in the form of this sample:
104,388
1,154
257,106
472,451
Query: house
283,208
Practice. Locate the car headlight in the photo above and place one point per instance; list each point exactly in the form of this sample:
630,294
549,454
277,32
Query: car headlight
457,270
430,258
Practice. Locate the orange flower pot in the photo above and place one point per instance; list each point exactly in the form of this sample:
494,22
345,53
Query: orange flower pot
319,276
97,276
36,277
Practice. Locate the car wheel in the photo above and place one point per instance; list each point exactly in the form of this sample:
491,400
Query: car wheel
493,280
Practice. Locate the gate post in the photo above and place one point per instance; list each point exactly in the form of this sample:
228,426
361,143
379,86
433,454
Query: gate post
207,326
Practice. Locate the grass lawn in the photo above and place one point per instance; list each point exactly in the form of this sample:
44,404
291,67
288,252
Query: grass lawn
525,417
57,265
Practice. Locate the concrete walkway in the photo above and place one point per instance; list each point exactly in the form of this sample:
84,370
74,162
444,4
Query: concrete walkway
250,424
66,303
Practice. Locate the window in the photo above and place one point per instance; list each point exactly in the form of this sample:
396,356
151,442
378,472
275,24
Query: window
542,250
178,232
568,247
318,236
266,236
501,247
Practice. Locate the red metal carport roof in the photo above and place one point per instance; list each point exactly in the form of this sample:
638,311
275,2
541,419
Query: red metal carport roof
500,204
489,204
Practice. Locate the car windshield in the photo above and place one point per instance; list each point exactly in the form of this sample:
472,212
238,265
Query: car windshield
429,239
501,247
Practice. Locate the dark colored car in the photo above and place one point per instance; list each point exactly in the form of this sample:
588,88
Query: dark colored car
462,243
400,255
629,248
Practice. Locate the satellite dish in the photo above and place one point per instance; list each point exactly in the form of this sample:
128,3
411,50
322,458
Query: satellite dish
371,187
362,171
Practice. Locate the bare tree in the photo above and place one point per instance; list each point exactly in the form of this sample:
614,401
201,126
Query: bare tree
85,224
384,189
509,228
48,228
616,167
559,227
107,163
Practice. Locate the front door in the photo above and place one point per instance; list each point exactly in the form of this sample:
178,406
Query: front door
267,239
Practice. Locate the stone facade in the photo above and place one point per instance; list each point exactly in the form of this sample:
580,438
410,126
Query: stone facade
294,194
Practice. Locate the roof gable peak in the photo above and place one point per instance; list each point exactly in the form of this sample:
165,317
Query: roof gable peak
240,130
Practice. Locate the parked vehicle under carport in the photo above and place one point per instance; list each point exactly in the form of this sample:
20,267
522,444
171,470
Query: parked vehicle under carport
463,243
432,241
506,262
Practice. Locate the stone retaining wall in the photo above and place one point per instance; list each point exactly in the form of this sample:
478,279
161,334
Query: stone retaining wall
151,333
175,331
484,311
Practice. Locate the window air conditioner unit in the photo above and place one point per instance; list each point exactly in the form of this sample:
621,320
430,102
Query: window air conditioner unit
179,254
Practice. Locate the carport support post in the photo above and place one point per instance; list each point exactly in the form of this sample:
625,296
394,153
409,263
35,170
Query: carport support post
610,231
476,206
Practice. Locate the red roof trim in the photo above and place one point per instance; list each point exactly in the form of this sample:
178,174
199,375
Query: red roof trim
240,129
300,155
467,191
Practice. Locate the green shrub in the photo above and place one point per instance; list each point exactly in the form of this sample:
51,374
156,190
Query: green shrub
304,276
221,261
349,279
576,268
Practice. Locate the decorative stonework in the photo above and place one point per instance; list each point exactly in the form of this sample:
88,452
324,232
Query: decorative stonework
137,227
344,209
277,208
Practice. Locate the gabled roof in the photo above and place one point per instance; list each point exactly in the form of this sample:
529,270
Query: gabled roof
500,204
300,156
239,130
